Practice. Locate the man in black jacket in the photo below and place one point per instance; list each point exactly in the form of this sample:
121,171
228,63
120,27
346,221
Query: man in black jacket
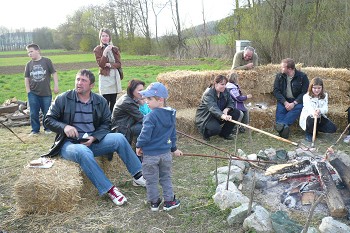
289,87
81,120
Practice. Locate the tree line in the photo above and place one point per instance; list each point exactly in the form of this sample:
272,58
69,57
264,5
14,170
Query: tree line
313,32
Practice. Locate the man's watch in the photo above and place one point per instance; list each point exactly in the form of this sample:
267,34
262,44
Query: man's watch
295,102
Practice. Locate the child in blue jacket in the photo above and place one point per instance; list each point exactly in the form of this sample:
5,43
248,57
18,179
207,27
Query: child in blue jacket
155,143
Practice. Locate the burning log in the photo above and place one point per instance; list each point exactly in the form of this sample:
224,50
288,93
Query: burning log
287,168
343,170
334,200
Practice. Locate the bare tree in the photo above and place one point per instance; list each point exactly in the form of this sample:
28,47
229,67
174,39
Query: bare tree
181,49
156,13
142,21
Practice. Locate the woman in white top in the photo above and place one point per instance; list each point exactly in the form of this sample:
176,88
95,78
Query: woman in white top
315,104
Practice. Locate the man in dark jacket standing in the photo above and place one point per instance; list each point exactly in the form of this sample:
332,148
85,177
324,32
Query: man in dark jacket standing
81,120
289,87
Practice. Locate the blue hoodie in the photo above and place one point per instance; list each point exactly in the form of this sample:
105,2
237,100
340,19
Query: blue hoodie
158,134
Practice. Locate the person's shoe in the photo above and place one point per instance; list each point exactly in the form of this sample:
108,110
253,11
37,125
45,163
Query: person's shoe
308,137
34,134
155,206
139,182
205,138
241,129
285,132
117,197
48,131
279,127
169,205
347,139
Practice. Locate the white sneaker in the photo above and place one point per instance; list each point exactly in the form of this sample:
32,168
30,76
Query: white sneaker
347,139
33,134
139,182
117,197
48,131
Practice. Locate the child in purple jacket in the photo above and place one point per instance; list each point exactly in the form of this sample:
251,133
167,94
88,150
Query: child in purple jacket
238,98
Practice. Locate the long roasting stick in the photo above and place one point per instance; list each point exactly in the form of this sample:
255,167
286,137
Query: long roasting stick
12,132
232,158
264,132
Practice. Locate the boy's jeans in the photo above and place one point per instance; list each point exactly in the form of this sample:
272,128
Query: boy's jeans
84,156
158,168
36,103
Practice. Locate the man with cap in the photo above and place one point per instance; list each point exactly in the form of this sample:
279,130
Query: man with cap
155,143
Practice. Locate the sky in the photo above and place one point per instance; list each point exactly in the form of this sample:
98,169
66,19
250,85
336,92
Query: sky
30,14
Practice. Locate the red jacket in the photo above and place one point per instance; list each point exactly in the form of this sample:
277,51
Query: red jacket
102,60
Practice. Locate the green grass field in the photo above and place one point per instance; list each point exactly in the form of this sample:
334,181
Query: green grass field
12,85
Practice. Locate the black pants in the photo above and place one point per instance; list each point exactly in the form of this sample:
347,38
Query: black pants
324,125
219,127
111,99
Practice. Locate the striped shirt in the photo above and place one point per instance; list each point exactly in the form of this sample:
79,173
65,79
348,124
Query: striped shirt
83,118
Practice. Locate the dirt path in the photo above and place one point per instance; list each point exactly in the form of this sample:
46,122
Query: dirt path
76,66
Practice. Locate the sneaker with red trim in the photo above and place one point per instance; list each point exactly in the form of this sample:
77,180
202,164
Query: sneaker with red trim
169,205
116,196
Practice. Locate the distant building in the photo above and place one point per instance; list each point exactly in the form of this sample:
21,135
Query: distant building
15,40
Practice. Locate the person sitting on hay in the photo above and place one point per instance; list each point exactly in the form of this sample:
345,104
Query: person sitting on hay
216,110
289,88
82,121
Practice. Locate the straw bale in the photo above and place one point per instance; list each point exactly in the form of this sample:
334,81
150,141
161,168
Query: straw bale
338,115
262,118
185,121
44,191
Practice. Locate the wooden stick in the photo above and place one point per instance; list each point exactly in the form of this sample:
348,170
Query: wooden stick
314,131
215,147
12,132
251,196
264,132
229,157
326,157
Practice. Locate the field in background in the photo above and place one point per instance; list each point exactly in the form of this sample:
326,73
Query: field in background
145,68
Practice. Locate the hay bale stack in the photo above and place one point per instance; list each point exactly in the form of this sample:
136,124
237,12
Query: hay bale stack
185,121
186,89
44,191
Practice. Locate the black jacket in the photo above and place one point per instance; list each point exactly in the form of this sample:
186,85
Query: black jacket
299,84
209,108
125,114
62,111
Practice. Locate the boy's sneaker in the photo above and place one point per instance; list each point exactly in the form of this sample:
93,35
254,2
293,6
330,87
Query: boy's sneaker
169,205
48,131
117,197
155,206
347,139
33,134
139,182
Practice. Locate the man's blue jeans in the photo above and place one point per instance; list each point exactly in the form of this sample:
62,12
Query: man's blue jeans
287,117
84,156
36,103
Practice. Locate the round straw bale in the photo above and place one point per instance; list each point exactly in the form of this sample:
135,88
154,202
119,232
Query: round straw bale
44,191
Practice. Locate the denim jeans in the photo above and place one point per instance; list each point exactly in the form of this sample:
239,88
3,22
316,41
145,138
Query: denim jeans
157,168
84,156
287,117
36,103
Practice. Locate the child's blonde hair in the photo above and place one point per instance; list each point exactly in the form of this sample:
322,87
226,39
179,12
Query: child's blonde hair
232,77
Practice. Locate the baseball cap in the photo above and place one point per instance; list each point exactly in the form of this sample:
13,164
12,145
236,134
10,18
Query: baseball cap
155,89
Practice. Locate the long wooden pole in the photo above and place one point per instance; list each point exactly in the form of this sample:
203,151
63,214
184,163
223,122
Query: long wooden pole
264,132
314,131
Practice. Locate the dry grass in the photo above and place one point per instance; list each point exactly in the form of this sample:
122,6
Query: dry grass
191,178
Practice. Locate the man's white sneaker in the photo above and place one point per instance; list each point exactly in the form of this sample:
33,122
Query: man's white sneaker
117,197
347,139
139,182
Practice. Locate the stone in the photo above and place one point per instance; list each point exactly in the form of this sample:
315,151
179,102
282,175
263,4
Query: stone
238,214
259,221
281,223
329,225
270,152
225,199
